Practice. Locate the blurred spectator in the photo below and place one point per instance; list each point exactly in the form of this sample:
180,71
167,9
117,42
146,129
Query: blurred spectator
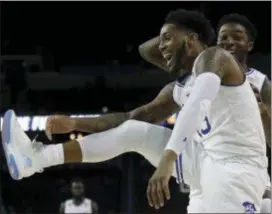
78,203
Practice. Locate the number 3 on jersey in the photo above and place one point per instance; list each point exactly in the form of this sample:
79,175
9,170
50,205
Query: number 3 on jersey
206,129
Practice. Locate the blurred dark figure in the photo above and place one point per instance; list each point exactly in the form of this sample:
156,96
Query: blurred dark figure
78,203
15,79
2,208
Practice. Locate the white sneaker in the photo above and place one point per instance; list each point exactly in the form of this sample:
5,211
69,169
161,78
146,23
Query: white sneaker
21,153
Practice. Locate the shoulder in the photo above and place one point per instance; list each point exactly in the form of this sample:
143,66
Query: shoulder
215,52
214,58
220,62
255,73
256,78
88,200
66,202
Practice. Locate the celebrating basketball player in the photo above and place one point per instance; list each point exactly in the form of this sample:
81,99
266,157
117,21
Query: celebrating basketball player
113,142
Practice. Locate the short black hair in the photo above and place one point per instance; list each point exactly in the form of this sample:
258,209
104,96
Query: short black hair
193,21
242,20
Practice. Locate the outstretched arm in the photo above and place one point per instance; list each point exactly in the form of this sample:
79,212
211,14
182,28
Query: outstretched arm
154,112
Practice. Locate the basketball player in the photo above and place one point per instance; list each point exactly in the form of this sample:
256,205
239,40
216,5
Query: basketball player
216,109
236,34
78,203
87,149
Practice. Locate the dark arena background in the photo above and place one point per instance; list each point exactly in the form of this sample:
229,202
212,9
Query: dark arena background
81,58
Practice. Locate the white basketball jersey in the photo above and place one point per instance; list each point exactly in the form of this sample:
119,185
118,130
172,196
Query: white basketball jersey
256,78
231,126
84,207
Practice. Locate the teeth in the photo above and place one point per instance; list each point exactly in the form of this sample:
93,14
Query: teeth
167,57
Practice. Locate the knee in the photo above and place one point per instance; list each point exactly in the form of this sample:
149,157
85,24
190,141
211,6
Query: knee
135,127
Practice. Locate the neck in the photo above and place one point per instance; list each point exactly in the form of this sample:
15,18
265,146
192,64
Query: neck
244,64
78,200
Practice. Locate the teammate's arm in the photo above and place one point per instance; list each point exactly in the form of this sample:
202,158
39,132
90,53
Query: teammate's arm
94,207
266,95
151,53
61,209
266,114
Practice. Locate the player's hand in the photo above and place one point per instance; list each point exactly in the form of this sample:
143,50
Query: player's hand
259,99
158,185
59,124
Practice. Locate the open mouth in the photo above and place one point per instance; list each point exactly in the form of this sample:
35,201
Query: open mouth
168,57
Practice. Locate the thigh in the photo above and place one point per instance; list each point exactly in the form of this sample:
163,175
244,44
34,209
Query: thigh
231,187
190,159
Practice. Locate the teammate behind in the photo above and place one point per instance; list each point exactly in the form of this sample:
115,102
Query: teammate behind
78,203
237,34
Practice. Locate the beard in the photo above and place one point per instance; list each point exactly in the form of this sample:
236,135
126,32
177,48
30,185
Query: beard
180,54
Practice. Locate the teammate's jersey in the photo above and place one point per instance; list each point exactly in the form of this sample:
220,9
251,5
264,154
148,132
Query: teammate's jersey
231,126
256,78
84,207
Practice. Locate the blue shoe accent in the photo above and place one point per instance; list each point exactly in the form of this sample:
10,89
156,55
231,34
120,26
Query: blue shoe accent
6,127
13,169
12,165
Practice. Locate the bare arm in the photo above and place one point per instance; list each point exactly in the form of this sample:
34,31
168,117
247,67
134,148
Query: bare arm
94,207
218,61
266,114
151,53
61,209
266,95
154,112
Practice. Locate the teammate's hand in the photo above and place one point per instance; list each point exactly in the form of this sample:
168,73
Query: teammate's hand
259,99
59,124
158,187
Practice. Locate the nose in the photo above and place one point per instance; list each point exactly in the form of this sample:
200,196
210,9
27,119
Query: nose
162,46
229,41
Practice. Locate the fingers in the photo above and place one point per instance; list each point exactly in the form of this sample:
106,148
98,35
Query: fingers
148,194
156,191
166,190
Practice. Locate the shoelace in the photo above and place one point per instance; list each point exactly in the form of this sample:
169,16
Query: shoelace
36,146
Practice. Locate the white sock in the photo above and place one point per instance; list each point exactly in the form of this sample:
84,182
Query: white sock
266,205
52,155
132,136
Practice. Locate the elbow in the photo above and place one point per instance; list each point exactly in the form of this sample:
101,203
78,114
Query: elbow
143,51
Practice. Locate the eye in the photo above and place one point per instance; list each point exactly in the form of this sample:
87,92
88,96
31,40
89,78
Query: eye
237,38
223,37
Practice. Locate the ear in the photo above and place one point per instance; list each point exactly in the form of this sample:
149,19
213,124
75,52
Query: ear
191,38
250,46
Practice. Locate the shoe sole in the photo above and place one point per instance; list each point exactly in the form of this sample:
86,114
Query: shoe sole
9,147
